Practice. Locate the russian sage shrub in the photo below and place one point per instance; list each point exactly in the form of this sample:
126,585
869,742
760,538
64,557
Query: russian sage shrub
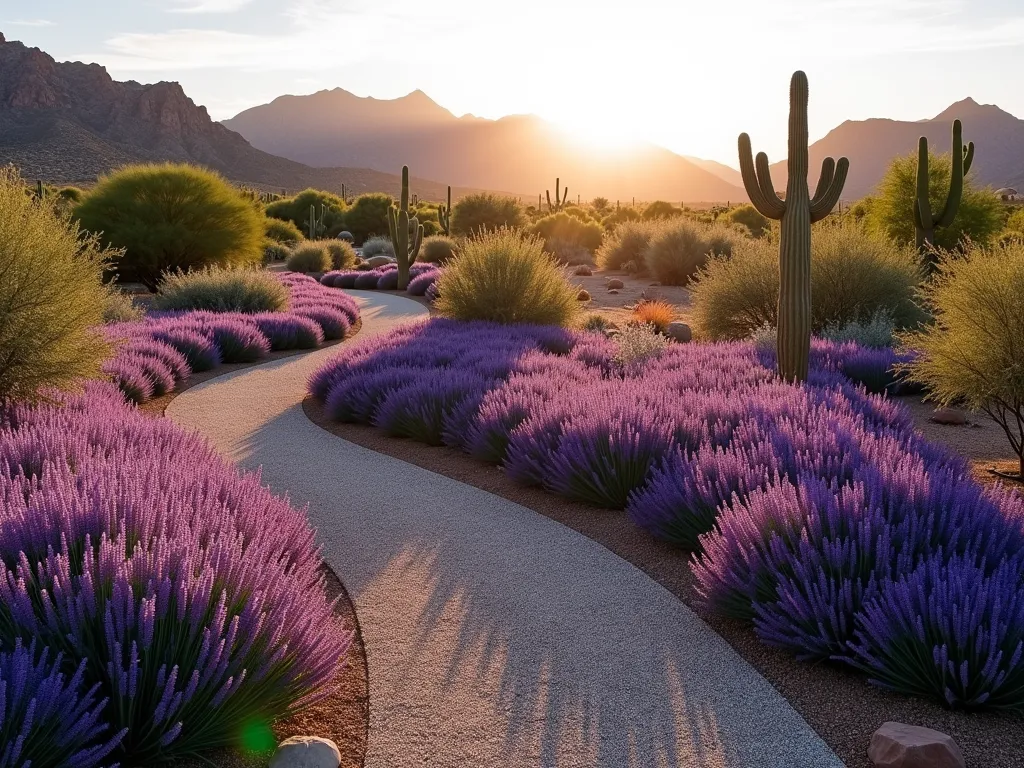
191,596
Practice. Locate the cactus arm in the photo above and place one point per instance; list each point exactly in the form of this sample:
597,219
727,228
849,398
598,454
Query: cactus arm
772,208
956,179
405,188
565,195
968,157
822,206
764,179
547,193
828,172
924,206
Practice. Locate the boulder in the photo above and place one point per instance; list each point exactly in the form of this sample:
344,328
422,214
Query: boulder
615,283
583,271
380,261
613,290
583,296
896,745
306,752
950,416
679,332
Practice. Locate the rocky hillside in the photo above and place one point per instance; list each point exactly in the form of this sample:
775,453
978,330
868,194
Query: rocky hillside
69,122
872,144
519,152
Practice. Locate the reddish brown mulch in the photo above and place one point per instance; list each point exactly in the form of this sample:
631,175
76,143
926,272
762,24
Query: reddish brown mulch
835,700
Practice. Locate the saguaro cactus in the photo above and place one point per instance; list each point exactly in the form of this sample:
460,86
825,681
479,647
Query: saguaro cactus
560,199
444,215
925,222
797,213
316,223
406,233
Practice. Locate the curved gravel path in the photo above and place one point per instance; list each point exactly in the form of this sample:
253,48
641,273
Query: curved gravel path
494,635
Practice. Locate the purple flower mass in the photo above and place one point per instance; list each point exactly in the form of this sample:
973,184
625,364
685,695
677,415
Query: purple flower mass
155,354
169,600
815,512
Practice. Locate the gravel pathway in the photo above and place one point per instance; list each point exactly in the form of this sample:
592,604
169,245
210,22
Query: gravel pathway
494,635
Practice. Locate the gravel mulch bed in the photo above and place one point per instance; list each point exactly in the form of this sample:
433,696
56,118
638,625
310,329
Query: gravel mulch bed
837,702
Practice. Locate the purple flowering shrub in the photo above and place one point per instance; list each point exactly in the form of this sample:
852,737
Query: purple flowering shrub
182,592
162,350
815,512
48,717
384,278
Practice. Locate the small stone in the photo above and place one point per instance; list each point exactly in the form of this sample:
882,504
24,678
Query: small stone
583,271
306,752
680,332
613,291
583,296
615,283
654,285
896,745
379,261
949,416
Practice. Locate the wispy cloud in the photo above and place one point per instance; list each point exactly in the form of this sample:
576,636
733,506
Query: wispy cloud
30,23
209,6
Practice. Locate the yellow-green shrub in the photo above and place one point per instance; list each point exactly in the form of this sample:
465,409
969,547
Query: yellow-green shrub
311,256
506,277
854,275
973,352
51,296
222,290
171,217
681,247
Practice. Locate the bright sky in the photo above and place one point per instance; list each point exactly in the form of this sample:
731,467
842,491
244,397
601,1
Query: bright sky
687,74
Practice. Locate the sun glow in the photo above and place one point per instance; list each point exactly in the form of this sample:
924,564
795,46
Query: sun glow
601,134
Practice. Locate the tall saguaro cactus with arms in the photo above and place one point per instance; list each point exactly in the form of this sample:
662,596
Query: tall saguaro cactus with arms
444,215
560,198
797,213
406,233
925,222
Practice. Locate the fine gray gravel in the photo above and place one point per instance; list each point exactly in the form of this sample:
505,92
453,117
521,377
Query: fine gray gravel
494,635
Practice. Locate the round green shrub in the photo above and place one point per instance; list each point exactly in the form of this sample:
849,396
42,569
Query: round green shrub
979,217
275,252
660,209
171,217
747,215
296,210
437,250
51,296
485,212
679,248
577,213
311,256
118,307
217,289
281,231
343,255
368,216
626,243
506,277
854,276
617,217
563,228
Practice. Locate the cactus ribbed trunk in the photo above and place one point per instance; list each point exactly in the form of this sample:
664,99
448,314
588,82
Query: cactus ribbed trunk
406,233
794,332
926,222
797,213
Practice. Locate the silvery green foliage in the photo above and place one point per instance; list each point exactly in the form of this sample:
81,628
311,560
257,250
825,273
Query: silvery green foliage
638,342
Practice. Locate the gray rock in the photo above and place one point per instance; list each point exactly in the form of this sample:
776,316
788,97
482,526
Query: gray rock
896,745
615,283
613,290
583,271
380,261
950,416
679,332
306,752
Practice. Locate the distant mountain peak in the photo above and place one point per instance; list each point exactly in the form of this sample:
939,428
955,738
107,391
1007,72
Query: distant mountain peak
967,108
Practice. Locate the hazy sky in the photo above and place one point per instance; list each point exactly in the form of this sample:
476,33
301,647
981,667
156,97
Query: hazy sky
687,74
